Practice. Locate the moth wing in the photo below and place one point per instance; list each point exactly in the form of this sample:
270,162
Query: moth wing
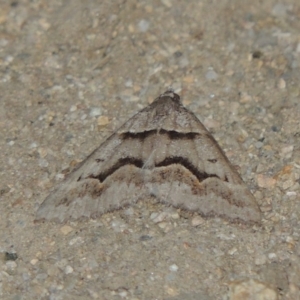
162,151
82,194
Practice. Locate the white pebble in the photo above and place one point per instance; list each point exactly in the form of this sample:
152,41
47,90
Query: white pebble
272,256
232,251
159,218
33,145
73,108
95,111
129,83
173,268
143,25
123,294
69,270
76,241
34,261
196,221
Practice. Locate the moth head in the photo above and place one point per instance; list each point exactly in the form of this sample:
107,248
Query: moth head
169,93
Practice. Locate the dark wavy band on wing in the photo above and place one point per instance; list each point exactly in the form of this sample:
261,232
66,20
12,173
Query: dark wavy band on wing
120,163
172,134
166,162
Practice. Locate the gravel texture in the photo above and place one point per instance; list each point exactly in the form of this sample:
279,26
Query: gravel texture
71,72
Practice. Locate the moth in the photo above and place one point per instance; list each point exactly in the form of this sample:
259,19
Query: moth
163,152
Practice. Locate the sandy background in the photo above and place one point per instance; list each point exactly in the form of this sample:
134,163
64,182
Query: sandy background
72,71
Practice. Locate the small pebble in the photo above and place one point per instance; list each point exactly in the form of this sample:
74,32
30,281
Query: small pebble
118,225
102,121
33,145
281,83
189,79
272,256
251,289
258,145
73,108
173,268
123,294
245,98
34,261
68,270
163,225
76,241
288,184
95,111
143,25
167,3
197,220
264,181
232,251
159,218
129,83
144,238
175,215
66,229
287,151
11,256
42,152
